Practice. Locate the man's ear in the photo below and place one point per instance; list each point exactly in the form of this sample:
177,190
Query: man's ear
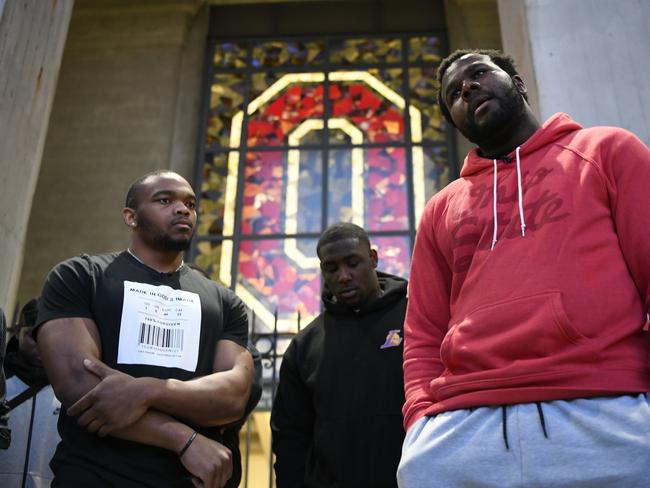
519,84
374,258
128,214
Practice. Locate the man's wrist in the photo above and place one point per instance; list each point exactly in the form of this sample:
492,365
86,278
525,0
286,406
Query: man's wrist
187,444
180,437
150,388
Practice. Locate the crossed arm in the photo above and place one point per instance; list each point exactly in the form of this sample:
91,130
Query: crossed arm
147,410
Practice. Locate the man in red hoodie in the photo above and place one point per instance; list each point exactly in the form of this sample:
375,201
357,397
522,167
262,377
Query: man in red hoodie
526,356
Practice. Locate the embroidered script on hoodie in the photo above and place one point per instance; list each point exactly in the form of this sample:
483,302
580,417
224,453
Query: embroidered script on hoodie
539,208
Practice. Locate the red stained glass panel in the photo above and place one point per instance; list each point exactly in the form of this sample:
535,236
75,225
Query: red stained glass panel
394,254
271,125
282,190
278,281
378,118
262,198
386,193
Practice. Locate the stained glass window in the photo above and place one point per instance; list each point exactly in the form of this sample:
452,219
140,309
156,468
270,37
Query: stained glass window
300,134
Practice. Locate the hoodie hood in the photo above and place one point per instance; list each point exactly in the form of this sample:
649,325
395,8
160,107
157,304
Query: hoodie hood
393,288
553,129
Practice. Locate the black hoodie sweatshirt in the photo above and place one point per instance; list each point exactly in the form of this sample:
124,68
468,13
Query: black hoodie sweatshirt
337,419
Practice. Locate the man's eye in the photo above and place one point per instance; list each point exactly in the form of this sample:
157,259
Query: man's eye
164,201
191,205
479,73
454,95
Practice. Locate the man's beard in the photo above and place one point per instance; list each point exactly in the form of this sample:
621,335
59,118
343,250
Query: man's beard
160,240
164,241
510,106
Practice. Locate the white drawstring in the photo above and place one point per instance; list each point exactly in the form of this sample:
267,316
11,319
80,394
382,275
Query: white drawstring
521,198
521,201
494,206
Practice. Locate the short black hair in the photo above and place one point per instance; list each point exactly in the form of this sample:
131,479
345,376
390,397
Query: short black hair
503,61
340,231
133,195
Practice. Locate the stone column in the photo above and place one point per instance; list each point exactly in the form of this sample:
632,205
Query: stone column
127,102
32,36
584,57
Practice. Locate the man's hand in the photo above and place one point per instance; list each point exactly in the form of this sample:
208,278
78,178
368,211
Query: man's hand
116,402
209,462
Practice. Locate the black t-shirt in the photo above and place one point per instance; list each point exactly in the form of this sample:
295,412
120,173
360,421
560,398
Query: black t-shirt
160,325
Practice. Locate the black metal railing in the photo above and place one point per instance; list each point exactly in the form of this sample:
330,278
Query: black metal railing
271,346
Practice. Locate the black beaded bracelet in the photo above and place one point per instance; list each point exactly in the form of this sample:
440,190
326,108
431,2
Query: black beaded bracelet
187,444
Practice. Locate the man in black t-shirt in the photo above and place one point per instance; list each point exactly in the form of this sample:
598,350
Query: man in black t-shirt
147,356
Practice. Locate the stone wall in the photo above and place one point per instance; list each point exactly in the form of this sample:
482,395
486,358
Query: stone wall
32,36
127,102
588,57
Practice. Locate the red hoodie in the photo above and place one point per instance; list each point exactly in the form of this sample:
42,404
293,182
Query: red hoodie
557,313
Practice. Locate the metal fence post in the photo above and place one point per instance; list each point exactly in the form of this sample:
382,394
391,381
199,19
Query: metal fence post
248,420
274,356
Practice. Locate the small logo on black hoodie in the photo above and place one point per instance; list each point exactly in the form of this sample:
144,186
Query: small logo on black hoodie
393,339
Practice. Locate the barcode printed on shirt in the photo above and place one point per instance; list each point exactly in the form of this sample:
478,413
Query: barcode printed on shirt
153,335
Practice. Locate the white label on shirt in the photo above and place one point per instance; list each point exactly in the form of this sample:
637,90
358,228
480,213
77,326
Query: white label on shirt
160,327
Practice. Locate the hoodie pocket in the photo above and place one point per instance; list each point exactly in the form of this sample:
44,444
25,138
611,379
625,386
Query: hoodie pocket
518,329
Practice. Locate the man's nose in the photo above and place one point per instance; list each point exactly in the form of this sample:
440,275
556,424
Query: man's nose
468,87
344,275
181,208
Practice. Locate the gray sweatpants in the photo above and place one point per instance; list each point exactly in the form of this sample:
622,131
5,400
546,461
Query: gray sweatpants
594,443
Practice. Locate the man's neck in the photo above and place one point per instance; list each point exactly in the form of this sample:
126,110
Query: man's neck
374,297
502,144
161,261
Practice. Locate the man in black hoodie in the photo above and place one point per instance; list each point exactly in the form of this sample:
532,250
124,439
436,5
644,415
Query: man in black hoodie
336,418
